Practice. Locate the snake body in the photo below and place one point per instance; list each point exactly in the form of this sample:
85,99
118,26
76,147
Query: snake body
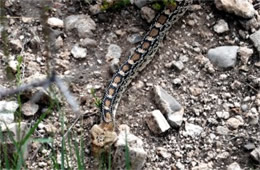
142,55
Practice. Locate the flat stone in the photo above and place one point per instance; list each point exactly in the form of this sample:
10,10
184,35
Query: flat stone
169,106
55,22
29,108
224,56
249,146
156,122
135,149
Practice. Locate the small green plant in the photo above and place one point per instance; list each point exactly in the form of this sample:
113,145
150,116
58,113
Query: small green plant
98,101
127,155
114,5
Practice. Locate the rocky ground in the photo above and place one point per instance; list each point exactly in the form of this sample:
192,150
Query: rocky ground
208,65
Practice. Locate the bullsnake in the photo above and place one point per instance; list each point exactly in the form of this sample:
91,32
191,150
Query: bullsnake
103,134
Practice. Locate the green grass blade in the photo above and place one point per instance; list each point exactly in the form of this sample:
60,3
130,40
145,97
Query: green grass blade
78,156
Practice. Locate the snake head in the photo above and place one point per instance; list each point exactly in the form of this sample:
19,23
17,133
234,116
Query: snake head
103,137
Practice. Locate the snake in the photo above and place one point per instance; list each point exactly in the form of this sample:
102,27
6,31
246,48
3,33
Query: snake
136,62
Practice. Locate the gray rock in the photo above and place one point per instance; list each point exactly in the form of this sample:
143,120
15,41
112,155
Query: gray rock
7,109
55,22
180,166
113,51
87,42
13,63
135,146
244,107
29,108
234,166
95,9
255,38
176,118
148,14
224,56
156,122
139,3
83,24
192,130
18,131
235,122
249,146
178,65
16,44
255,154
203,166
251,24
253,118
59,42
78,52
113,55
223,114
238,7
169,106
222,130
221,27
134,38
163,152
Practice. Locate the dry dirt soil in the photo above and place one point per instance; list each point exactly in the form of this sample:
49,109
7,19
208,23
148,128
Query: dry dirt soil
195,29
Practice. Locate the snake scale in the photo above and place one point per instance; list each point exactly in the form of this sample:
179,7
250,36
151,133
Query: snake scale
104,134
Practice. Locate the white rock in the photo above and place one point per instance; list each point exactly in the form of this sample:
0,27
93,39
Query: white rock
156,122
192,130
136,152
255,154
241,8
29,108
19,130
255,38
222,130
221,26
163,152
7,109
245,53
148,14
78,52
13,65
55,22
169,106
223,114
113,51
224,56
235,122
234,166
83,24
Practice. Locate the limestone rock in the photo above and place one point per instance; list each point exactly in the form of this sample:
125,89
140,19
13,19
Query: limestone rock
134,145
156,122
